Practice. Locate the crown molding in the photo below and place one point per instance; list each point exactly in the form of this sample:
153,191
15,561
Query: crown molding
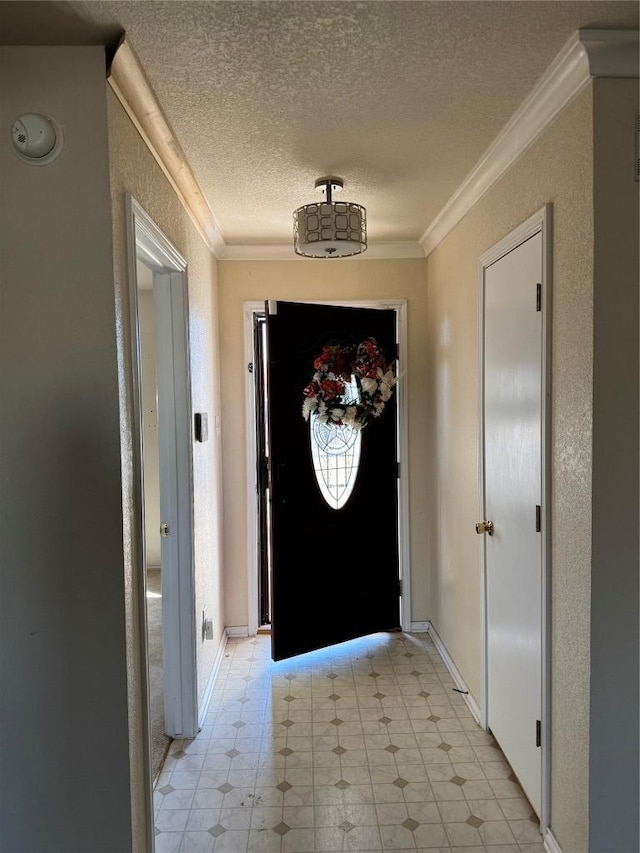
132,88
611,53
284,252
587,54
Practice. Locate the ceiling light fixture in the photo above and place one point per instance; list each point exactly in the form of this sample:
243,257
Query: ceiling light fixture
330,229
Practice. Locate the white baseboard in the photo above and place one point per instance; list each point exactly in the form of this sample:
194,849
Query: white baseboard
453,672
206,697
419,627
237,631
549,843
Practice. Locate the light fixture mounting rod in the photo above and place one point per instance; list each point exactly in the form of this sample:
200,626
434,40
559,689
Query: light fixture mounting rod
329,184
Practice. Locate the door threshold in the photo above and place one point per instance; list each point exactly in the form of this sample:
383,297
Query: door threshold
264,629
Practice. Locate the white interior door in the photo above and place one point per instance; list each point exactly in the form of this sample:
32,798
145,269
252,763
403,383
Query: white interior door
513,429
176,504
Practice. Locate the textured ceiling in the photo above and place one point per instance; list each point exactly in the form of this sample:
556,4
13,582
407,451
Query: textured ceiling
399,98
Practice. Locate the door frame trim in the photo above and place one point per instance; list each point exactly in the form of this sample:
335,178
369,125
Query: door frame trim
250,308
146,241
540,222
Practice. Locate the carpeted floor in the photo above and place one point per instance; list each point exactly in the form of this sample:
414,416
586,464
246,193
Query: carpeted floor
159,740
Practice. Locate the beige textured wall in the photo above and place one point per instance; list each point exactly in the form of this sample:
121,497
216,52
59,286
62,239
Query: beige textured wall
557,169
244,281
134,170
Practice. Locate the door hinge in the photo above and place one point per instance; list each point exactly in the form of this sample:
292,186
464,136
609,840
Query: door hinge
262,479
164,530
538,518
538,733
400,588
538,296
637,140
397,470
250,367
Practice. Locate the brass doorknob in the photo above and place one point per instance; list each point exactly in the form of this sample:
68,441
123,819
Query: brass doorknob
485,527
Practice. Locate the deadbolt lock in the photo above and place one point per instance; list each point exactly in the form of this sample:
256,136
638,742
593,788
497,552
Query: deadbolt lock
164,530
485,527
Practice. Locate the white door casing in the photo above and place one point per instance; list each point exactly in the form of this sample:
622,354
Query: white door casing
514,497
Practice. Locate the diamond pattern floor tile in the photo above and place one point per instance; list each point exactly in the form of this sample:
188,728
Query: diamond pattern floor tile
363,747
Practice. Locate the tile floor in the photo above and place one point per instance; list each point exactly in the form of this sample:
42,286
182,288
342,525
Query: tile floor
360,747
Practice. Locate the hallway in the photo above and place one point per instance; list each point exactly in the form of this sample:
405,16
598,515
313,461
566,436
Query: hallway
363,746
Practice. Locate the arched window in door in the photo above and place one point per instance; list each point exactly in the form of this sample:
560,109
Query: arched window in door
335,451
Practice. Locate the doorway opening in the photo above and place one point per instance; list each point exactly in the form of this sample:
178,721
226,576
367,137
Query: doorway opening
147,334
163,484
258,462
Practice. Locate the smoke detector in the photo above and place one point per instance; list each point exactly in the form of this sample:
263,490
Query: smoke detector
37,138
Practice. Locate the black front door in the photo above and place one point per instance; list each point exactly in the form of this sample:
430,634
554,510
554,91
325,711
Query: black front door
334,533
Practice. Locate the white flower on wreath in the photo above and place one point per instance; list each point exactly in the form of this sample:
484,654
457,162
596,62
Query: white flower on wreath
386,384
310,405
369,386
350,416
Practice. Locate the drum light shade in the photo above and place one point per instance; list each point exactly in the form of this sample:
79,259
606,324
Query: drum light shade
330,229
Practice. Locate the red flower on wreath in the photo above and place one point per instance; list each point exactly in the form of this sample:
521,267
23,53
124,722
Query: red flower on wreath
331,388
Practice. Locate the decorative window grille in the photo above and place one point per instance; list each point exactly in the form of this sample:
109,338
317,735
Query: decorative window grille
335,451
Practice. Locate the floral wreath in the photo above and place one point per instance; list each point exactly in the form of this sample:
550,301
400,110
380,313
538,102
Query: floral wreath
328,393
